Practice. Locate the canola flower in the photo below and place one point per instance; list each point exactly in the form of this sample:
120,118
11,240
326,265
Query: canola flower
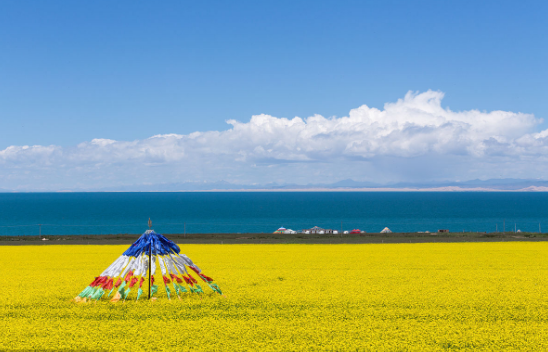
392,297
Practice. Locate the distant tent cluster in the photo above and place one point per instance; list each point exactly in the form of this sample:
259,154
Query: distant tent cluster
320,231
137,266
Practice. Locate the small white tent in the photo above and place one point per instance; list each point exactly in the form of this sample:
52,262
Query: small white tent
386,230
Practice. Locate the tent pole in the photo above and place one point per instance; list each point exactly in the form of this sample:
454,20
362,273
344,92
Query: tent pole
149,261
149,270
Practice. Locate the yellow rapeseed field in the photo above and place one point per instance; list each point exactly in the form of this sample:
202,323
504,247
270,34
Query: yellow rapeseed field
392,297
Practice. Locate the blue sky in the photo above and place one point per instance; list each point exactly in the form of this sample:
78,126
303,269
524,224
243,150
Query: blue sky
72,72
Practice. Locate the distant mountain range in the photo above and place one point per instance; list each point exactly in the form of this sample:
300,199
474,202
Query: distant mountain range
507,184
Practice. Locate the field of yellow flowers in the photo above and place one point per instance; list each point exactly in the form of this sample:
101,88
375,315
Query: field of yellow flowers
412,297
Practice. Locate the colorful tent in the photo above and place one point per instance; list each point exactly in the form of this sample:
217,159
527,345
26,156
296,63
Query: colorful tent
132,270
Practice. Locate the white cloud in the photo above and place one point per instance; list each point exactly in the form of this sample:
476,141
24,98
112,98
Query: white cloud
25,155
371,143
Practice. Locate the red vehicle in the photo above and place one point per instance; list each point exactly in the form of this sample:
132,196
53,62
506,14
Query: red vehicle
355,231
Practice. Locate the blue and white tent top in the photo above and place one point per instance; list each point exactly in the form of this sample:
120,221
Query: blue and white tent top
152,241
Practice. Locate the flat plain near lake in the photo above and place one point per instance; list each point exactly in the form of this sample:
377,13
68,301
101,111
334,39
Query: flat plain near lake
422,297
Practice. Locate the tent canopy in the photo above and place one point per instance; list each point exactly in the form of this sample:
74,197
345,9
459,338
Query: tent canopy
137,266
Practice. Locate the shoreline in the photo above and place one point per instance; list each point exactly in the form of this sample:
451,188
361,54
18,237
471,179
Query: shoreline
267,238
375,189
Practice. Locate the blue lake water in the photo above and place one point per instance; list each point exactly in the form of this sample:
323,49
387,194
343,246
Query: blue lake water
245,212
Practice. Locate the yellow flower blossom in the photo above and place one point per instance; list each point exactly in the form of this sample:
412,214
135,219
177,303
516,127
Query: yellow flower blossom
382,297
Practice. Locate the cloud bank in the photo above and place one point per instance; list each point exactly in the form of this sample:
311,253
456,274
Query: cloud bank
413,138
